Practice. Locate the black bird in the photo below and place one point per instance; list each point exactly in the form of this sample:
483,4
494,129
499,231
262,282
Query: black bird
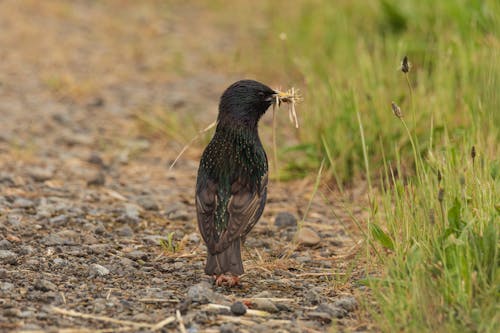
232,179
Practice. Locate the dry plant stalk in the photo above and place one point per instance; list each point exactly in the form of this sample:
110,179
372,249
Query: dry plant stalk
291,97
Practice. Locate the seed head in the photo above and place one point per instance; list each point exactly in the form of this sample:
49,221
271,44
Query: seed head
440,177
432,216
397,110
441,194
405,65
473,152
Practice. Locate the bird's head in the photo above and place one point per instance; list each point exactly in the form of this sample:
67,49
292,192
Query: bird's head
245,102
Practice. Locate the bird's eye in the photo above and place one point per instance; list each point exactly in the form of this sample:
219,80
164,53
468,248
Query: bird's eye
261,94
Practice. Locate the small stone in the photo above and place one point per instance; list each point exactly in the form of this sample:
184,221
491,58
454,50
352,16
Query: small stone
99,230
348,303
194,237
40,174
131,213
238,308
201,293
228,328
332,310
45,285
98,179
321,316
26,314
6,286
137,255
58,220
148,203
99,305
14,220
96,159
5,244
11,312
125,231
285,220
264,304
60,262
304,259
307,237
96,269
8,257
26,249
313,297
23,203
177,212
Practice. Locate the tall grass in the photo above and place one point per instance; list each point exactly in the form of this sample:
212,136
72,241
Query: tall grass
436,168
347,55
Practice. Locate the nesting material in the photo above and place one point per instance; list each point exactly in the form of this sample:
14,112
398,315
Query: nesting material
290,97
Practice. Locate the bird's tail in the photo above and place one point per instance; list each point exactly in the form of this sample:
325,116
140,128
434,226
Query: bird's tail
225,262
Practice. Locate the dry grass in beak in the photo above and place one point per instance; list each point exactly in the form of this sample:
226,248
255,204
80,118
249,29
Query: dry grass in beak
290,97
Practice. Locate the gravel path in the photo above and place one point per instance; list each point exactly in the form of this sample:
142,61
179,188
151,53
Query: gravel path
95,231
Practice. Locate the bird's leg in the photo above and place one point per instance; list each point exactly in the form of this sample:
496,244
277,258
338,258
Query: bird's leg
228,280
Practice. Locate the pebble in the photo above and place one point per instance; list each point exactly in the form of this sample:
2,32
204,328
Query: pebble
26,249
5,286
201,293
96,159
348,303
5,244
238,308
194,237
307,237
45,285
125,231
60,262
264,304
8,257
96,269
148,203
332,310
137,255
99,230
177,212
23,203
99,305
41,174
131,213
98,179
322,316
285,220
59,220
313,297
228,328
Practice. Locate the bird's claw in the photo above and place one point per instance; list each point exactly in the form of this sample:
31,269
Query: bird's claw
227,280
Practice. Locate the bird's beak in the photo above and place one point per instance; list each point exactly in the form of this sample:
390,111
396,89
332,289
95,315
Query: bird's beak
280,96
277,97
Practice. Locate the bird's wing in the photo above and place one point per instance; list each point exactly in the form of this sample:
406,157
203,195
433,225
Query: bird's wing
245,206
206,204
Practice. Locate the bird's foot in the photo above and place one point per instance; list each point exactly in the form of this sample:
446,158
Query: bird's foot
227,280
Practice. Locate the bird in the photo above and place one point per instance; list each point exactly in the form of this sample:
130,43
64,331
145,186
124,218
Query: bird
231,185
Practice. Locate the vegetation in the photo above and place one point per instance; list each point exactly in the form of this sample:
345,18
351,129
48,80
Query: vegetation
424,135
434,161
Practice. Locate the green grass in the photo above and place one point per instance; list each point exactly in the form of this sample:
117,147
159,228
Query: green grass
432,241
439,234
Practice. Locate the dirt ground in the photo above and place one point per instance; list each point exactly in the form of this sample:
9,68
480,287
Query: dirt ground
97,235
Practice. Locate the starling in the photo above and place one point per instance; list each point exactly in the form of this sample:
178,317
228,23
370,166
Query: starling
232,179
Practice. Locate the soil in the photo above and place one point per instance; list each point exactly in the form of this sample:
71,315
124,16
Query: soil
96,233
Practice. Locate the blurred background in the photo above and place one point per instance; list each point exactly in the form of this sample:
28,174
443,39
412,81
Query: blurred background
109,92
164,64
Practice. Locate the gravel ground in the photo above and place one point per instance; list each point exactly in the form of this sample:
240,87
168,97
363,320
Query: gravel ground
95,232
